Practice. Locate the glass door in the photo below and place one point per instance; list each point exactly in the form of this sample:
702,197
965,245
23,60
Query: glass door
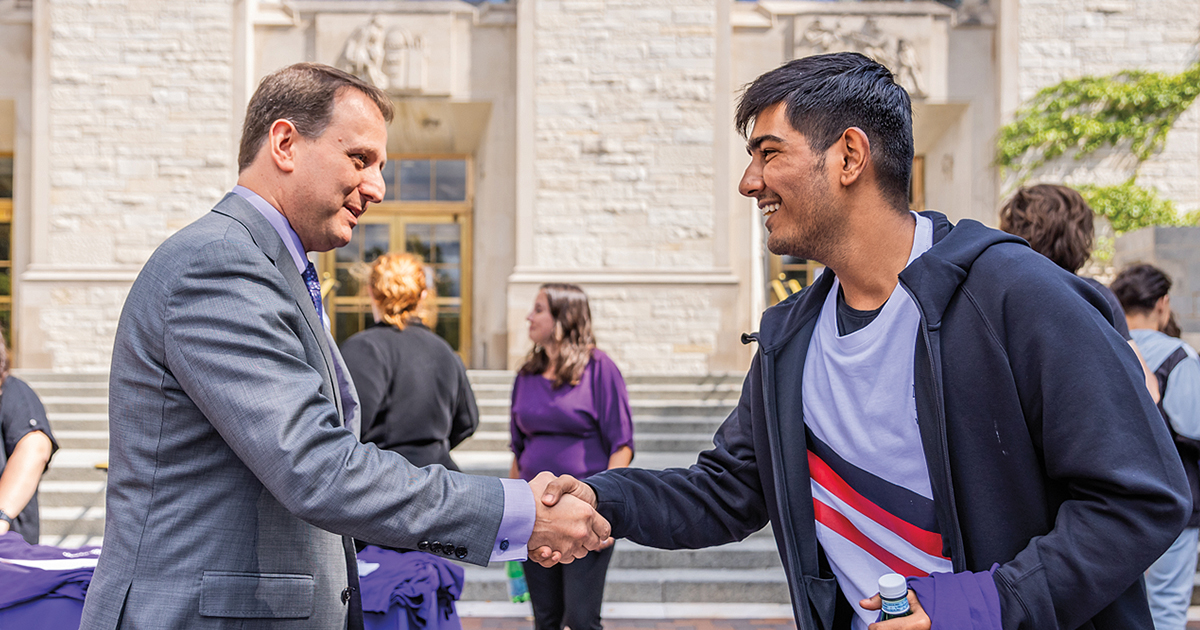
427,212
6,207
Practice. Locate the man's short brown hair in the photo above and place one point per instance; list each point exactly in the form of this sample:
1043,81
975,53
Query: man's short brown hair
1055,220
302,93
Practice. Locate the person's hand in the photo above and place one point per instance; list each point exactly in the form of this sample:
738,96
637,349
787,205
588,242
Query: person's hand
918,620
3,526
566,529
566,485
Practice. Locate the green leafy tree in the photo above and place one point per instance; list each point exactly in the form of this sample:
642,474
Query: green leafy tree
1131,109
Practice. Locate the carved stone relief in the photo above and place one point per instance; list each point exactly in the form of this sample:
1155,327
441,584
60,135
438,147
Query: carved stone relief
402,54
392,59
864,35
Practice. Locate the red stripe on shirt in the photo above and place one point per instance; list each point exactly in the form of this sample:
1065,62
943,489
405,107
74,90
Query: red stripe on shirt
842,526
926,541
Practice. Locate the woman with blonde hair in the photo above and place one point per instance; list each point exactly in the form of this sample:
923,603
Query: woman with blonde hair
412,387
570,415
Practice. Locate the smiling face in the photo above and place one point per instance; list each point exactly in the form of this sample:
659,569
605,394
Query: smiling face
338,173
793,188
541,322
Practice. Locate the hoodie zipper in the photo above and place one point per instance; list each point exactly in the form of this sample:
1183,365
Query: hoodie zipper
957,550
799,592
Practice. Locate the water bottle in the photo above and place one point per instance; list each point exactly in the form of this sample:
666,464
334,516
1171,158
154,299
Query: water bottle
893,590
518,590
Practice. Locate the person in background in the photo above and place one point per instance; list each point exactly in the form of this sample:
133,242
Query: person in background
413,389
1058,224
570,415
1143,291
28,447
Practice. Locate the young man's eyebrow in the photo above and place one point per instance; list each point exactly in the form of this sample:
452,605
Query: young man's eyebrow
757,141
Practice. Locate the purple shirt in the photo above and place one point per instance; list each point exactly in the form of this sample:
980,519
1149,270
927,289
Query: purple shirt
572,429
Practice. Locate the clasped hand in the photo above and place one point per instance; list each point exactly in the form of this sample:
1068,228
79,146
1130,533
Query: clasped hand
567,525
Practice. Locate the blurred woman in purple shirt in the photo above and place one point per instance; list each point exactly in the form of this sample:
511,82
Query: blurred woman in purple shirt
570,415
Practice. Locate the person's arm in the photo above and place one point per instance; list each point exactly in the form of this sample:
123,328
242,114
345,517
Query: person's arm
239,347
717,500
466,415
621,458
1151,380
371,375
1104,450
613,415
22,472
1182,399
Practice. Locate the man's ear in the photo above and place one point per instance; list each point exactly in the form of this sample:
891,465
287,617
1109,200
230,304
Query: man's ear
853,153
281,142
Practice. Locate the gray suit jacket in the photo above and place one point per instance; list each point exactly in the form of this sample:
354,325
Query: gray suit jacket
231,473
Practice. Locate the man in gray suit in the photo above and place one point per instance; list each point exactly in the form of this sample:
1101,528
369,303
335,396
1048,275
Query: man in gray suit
236,477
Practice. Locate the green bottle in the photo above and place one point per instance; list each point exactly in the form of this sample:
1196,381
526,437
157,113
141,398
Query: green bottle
893,590
518,590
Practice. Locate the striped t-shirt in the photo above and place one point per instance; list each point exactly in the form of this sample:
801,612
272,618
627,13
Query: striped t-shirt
870,483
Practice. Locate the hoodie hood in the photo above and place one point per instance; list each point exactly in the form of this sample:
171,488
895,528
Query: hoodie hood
932,278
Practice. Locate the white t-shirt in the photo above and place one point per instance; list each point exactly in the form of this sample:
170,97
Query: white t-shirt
871,490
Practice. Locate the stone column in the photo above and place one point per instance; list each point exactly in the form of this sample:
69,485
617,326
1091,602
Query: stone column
133,139
617,178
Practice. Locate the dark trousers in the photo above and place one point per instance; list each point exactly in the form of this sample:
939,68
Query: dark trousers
568,594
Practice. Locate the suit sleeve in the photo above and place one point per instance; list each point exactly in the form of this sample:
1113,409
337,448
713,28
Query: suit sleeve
235,339
717,500
1124,497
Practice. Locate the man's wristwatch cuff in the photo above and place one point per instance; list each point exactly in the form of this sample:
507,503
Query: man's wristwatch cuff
6,518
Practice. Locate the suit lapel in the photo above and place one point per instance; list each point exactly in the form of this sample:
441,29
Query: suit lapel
265,236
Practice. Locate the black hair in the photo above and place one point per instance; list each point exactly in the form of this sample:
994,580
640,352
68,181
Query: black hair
827,94
1140,287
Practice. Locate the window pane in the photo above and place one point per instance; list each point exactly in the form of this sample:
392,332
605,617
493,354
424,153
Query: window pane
418,239
451,180
389,180
5,281
448,327
6,177
446,243
6,322
415,176
447,282
5,239
377,240
348,285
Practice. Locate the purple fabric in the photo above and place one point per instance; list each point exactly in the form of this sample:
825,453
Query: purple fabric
410,590
959,601
570,429
20,584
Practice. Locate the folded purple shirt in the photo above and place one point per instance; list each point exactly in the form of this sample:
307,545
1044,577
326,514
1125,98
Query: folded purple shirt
959,601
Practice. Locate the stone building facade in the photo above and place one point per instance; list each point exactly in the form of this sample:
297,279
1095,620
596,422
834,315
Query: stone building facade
585,141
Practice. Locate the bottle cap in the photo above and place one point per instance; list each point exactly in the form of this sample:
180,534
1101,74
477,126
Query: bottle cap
892,586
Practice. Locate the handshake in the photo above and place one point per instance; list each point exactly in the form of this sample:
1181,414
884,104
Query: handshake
567,525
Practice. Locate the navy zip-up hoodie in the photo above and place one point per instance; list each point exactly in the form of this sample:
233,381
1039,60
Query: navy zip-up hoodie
1045,452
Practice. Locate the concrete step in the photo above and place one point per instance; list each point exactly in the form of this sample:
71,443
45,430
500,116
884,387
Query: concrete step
47,376
645,442
768,586
78,422
70,438
75,404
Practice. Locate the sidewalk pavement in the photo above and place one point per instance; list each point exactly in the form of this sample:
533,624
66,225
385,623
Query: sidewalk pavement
522,623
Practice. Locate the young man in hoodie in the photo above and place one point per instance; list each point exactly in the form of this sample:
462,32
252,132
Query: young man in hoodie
943,402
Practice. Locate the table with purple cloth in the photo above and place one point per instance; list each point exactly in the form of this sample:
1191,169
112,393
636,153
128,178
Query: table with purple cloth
42,586
410,590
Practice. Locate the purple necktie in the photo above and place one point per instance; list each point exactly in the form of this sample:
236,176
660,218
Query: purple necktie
314,287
